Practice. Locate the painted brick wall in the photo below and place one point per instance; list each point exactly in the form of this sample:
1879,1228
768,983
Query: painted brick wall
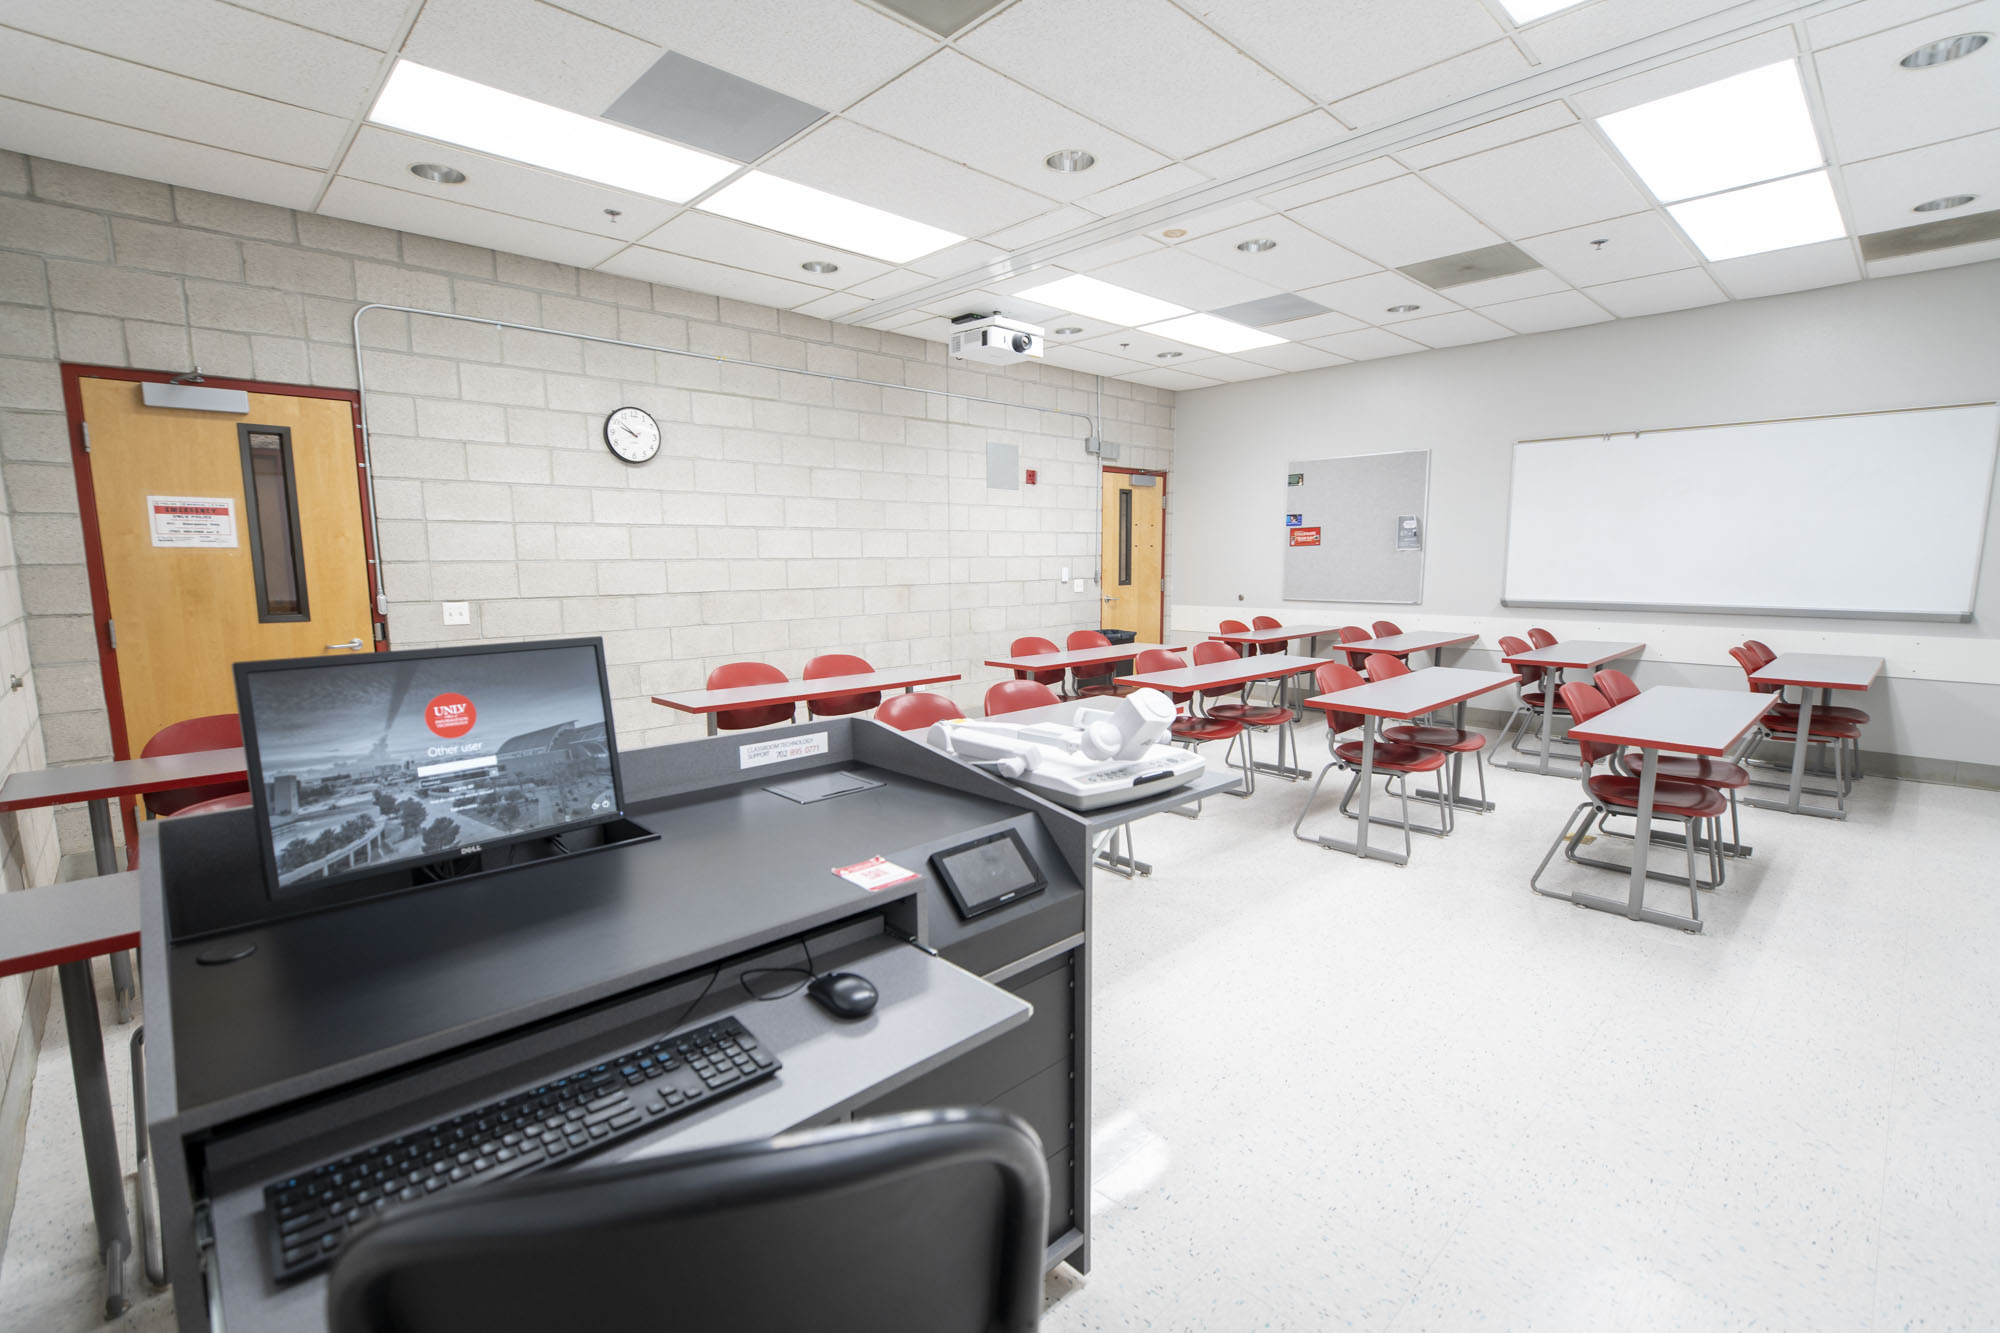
786,515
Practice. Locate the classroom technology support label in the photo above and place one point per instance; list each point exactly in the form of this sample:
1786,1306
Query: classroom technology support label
758,753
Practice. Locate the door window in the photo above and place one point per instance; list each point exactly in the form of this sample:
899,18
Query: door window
270,501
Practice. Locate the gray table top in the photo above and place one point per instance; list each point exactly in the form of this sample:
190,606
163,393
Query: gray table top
1241,671
61,923
1674,717
1074,658
1576,653
1402,645
34,787
1282,634
1829,671
798,691
1414,694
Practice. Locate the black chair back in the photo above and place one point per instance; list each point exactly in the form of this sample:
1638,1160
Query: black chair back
929,1222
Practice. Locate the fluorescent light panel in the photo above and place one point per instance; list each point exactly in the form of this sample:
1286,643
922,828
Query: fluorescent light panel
1214,333
443,106
1737,131
1527,11
764,200
1776,215
1102,300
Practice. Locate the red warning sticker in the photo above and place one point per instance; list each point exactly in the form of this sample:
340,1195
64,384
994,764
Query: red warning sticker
1305,536
450,715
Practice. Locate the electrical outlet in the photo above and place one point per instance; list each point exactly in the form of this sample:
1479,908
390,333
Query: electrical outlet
458,613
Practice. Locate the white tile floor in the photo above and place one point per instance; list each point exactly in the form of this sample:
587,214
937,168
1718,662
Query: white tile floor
1335,1094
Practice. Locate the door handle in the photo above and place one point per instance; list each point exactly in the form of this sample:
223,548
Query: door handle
352,645
1111,599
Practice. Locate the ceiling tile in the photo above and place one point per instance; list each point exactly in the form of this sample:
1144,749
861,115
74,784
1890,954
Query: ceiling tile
1333,50
1369,298
968,113
943,17
989,302
832,306
824,53
1041,227
68,78
375,23
1339,181
1722,62
1302,258
1397,222
956,259
1110,252
1795,270
1209,221
1585,30
682,99
1977,253
894,283
1138,345
1470,267
1292,356
1170,179
1513,287
1658,293
1121,61
1280,143
529,48
1882,191
1505,130
1870,16
1540,314
1089,361
499,186
698,275
740,245
217,43
1177,380
1235,369
1634,246
857,163
402,210
1089,328
1875,106
1452,330
1315,326
1185,279
1367,344
1266,311
63,137
1556,180
1449,81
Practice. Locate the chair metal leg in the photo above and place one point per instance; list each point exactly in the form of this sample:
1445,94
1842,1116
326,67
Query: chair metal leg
142,1183
1535,880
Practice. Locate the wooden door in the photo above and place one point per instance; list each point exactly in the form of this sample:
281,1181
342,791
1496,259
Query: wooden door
1133,559
214,539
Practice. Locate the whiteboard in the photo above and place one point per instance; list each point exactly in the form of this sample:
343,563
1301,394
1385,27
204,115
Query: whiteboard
1875,514
1363,518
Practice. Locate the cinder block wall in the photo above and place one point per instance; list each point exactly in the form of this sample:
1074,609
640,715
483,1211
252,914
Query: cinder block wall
786,515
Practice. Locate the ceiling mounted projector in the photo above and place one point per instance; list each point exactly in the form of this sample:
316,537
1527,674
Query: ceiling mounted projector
995,339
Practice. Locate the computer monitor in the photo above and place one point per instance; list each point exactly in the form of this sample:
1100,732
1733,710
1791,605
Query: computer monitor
385,761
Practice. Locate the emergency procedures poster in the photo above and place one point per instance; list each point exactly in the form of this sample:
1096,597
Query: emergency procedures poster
192,520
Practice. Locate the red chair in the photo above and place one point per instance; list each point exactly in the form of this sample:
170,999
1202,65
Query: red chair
1529,706
1541,638
735,675
1617,687
234,801
1387,628
1034,647
1721,774
1698,809
1431,736
1830,725
839,705
1234,627
1011,696
917,711
1354,634
1083,685
1191,729
1395,761
1765,657
1256,717
1268,622
217,731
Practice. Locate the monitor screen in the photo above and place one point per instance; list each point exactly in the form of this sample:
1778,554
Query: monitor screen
370,763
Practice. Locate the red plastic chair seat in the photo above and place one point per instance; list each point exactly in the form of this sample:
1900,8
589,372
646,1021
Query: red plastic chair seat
1251,715
1436,738
1696,768
1829,713
1533,699
1205,729
1685,799
1828,729
1393,758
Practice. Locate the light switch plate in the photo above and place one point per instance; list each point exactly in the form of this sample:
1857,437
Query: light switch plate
1076,585
1064,576
458,613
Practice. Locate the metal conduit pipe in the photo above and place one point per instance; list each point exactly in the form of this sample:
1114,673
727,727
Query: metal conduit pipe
361,390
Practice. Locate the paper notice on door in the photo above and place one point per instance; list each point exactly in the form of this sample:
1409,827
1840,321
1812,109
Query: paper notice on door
192,520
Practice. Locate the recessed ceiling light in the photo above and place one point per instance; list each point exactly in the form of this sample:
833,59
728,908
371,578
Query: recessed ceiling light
1949,201
1066,330
1101,300
1527,11
1951,48
1069,159
443,106
1214,333
764,200
1401,309
437,173
1776,215
819,266
1167,356
1747,128
1257,246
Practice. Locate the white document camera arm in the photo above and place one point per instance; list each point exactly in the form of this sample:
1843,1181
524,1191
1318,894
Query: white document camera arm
1141,720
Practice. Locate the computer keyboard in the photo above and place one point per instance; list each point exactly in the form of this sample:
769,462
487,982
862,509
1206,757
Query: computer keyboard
309,1216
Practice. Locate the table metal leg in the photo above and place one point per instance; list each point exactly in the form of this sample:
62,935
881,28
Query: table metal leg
100,1135
1459,799
1541,763
106,852
1360,845
710,719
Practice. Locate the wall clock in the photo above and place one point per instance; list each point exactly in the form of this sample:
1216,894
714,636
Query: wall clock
632,434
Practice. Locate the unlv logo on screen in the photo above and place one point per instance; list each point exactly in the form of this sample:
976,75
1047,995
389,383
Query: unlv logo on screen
450,715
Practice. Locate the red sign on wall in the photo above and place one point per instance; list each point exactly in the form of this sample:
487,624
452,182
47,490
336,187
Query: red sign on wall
1305,536
450,715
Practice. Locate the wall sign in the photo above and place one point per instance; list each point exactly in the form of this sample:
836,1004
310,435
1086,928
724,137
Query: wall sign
1305,536
1295,520
1409,533
758,753
192,520
1295,479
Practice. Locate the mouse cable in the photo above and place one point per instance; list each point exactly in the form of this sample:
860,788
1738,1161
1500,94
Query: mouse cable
706,987
809,972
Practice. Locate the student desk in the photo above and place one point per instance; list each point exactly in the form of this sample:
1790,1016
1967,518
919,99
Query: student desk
1075,657
1241,671
1405,646
1681,720
1402,697
710,702
64,926
1825,672
1577,654
1257,638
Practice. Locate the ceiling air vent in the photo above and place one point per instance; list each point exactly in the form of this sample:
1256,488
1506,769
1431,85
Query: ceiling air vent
1270,310
1495,261
1932,235
943,17
705,107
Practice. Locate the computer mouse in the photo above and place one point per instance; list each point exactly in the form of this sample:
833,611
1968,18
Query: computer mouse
843,994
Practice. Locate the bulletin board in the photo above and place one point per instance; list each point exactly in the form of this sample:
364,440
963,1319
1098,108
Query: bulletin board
1356,528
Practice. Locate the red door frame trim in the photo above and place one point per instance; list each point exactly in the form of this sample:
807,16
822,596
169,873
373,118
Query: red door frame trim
93,543
1141,472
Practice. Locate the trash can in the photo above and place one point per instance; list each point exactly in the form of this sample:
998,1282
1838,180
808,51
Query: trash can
1121,637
